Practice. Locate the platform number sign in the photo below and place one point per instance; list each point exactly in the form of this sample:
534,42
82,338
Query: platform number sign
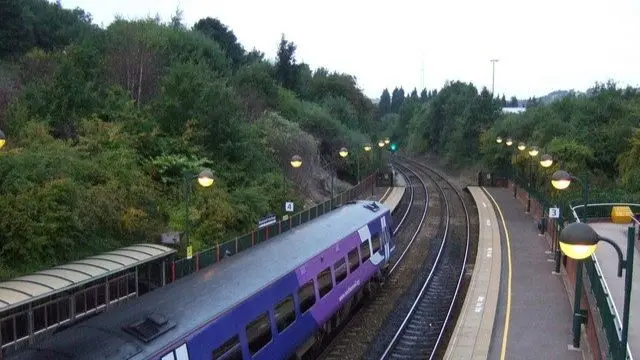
288,206
554,213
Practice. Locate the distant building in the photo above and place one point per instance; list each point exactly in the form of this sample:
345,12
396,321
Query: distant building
513,110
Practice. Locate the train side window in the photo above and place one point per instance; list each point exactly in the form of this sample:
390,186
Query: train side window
285,313
259,333
169,356
354,260
325,282
230,350
306,296
181,353
375,243
340,268
364,251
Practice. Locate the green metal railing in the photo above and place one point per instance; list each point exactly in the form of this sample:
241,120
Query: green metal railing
610,319
182,267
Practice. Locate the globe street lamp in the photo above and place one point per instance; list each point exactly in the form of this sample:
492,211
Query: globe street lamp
343,152
546,160
579,241
522,146
296,161
205,179
3,139
380,143
387,141
509,142
499,140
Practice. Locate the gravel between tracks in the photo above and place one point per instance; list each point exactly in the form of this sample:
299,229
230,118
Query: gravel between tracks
354,340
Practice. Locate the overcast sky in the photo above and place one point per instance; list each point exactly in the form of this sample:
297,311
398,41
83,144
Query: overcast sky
542,45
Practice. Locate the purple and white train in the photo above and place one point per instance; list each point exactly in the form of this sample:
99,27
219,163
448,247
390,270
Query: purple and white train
273,301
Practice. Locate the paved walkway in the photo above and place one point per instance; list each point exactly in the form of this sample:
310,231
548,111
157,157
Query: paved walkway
540,315
473,332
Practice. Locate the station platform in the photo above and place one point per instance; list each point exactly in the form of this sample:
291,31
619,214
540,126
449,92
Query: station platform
392,197
532,316
472,335
607,259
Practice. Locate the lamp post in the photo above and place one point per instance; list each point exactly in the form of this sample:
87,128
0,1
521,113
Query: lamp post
3,139
533,152
205,179
381,144
561,180
343,152
367,149
579,241
296,162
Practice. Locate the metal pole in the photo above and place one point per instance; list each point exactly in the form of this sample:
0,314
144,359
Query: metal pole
628,278
585,196
529,184
186,208
358,165
577,313
331,200
493,75
514,157
556,243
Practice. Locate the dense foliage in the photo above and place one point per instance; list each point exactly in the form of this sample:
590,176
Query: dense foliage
101,124
593,135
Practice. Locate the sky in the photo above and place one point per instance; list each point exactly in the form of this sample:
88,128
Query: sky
541,46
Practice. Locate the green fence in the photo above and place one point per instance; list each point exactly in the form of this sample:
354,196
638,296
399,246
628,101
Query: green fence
183,267
610,319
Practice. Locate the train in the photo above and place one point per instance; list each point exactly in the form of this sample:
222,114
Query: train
276,300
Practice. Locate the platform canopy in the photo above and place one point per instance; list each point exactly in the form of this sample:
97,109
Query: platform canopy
25,289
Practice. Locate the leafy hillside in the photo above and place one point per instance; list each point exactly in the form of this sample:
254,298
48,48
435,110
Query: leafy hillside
594,132
101,124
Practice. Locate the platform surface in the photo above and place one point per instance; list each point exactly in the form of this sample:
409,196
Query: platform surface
607,259
395,194
538,313
472,335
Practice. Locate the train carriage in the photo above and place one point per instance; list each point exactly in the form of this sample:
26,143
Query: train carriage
273,301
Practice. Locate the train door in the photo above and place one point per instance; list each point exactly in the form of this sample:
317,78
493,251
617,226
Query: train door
384,238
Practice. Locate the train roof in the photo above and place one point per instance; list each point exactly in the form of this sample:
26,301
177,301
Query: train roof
192,300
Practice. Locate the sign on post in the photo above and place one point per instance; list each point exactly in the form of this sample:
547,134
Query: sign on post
554,213
189,252
288,206
266,221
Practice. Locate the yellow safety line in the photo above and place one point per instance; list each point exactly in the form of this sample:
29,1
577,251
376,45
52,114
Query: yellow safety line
507,316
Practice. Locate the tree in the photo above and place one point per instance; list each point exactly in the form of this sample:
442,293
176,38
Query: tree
513,102
176,20
384,106
221,34
285,65
397,98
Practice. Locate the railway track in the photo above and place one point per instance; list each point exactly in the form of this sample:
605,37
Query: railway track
423,327
412,230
